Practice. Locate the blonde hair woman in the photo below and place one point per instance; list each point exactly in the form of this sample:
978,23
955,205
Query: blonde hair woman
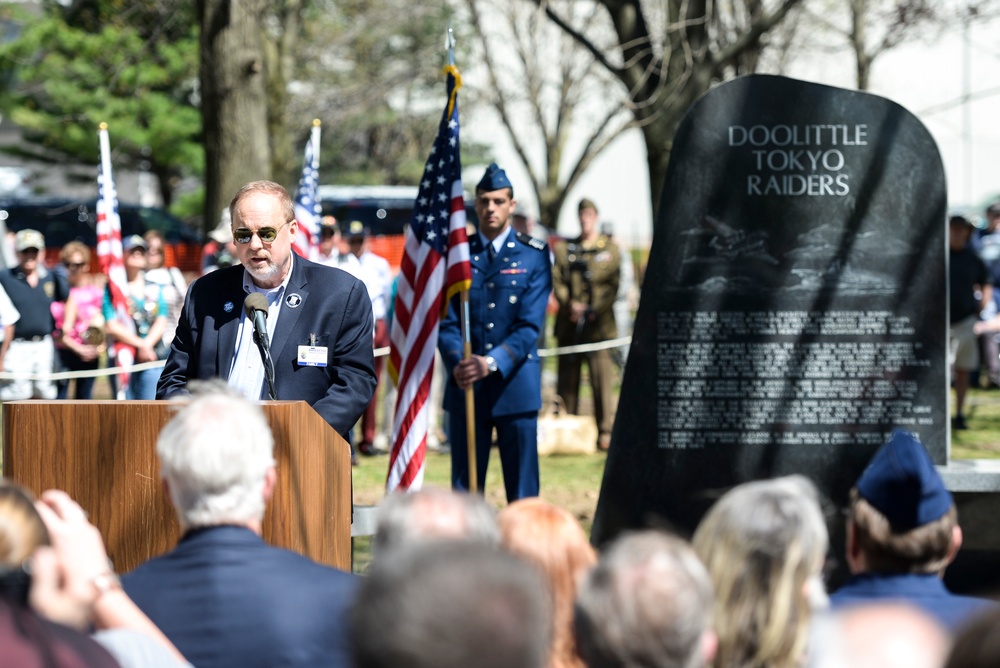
551,539
55,582
764,544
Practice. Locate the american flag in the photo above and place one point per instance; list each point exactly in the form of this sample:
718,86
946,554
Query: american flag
307,208
435,266
109,253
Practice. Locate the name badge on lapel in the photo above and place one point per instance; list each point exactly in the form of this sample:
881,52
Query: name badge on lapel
312,356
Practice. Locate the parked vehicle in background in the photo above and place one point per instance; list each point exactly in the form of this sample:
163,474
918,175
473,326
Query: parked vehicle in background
64,220
385,210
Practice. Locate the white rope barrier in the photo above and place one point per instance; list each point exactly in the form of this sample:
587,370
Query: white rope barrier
379,352
69,375
585,347
563,350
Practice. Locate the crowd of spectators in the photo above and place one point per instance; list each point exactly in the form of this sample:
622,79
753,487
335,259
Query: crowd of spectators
62,318
454,583
974,304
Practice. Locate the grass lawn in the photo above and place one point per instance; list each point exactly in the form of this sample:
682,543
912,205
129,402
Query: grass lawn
569,481
574,482
982,439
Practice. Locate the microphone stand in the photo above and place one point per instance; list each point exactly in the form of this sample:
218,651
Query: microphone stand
265,356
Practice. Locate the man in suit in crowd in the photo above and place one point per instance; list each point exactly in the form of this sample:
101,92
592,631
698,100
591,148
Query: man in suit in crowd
902,532
319,319
223,596
511,281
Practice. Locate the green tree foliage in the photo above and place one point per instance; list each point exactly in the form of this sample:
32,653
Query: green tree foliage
132,64
372,73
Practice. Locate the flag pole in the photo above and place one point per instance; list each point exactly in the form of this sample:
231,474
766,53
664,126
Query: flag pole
470,400
315,135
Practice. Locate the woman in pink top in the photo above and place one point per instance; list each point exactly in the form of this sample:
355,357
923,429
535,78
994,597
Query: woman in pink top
79,321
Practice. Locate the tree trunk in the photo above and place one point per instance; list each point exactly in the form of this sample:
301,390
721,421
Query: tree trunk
234,100
166,178
859,40
279,51
549,208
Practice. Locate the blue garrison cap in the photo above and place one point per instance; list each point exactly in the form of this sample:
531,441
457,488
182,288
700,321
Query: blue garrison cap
902,483
494,179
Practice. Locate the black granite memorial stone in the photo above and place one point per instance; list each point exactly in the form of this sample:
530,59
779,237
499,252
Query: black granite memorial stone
793,311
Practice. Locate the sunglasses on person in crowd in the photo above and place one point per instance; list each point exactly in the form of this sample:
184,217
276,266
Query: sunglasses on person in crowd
243,235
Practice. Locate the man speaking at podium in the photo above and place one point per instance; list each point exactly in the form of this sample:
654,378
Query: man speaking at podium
277,325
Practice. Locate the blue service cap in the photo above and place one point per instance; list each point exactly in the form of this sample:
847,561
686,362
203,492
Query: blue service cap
494,179
902,483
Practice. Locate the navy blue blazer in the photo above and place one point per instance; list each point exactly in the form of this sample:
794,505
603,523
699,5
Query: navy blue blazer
926,591
226,598
507,304
319,300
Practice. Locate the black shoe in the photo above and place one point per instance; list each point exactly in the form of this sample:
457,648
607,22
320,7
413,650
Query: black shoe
958,422
369,450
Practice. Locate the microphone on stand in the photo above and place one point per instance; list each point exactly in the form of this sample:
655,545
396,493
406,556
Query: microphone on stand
255,306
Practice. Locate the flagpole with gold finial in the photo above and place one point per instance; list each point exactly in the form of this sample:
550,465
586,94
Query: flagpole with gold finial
470,400
314,136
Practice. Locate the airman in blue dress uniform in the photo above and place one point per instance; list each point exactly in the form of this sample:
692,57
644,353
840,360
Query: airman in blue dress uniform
511,282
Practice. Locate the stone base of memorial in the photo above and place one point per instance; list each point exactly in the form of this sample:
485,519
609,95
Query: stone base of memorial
975,484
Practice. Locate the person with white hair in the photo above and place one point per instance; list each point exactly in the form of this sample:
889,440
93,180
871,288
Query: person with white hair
222,595
429,515
887,634
649,602
451,604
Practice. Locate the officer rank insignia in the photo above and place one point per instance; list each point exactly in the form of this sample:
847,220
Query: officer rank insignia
537,244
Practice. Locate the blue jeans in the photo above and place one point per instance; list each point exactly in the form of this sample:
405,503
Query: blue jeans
142,385
71,362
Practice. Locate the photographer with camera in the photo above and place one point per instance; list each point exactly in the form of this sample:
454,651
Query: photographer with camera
585,279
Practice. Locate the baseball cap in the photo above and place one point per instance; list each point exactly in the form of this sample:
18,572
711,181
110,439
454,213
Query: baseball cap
134,241
356,229
26,239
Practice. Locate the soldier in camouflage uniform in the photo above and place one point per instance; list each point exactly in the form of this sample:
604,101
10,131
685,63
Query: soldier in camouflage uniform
585,280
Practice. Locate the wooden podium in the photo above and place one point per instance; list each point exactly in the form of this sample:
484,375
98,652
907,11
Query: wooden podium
103,454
